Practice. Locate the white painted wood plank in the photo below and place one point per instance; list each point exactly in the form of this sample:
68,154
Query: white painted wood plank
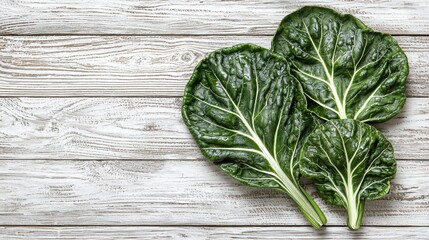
178,193
214,233
135,65
143,128
193,16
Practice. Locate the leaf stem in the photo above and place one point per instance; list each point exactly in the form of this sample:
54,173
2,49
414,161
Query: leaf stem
309,208
355,211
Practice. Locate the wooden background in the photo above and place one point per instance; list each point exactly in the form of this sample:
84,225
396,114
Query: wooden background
92,144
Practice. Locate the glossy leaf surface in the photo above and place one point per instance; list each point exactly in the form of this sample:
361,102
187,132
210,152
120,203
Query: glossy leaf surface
248,115
349,162
346,69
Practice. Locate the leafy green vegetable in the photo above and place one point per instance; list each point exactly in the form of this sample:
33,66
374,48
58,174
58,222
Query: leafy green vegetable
345,68
249,116
349,162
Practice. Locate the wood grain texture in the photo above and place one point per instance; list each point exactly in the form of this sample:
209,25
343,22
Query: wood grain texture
194,16
214,233
135,65
144,128
155,179
178,193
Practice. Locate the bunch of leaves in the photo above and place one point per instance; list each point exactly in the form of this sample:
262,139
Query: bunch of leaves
246,108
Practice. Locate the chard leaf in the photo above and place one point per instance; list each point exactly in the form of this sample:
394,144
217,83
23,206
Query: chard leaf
349,162
248,115
346,69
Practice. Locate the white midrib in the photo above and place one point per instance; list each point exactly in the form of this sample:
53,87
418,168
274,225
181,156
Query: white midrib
352,205
341,105
350,194
341,109
293,191
351,199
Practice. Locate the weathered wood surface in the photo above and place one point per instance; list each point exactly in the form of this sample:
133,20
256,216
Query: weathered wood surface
144,128
194,16
178,193
155,178
135,65
215,233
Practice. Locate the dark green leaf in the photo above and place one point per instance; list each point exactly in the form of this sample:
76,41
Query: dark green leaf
349,162
248,115
345,68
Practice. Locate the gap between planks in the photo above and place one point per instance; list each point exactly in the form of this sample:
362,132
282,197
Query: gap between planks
145,160
202,226
218,233
167,35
